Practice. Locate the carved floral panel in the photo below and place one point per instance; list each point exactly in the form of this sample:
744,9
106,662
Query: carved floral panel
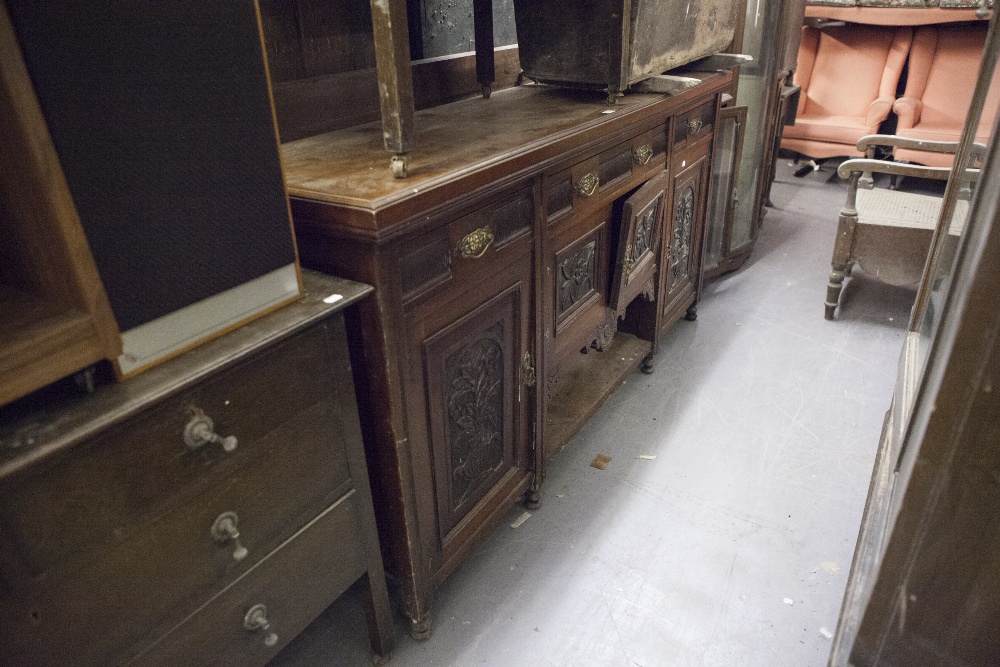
576,276
680,247
475,413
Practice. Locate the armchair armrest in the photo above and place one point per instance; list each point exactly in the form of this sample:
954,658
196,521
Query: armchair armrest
878,110
891,140
849,168
908,109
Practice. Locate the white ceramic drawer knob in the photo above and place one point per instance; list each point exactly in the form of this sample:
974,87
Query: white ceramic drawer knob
256,621
200,431
224,530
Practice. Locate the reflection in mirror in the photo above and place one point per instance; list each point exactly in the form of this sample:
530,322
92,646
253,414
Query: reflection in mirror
959,195
446,27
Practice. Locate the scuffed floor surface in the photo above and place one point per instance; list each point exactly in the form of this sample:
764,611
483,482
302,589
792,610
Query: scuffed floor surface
732,546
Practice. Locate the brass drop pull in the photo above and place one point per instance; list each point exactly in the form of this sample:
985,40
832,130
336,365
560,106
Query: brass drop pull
587,185
643,154
256,621
694,125
200,431
475,244
224,530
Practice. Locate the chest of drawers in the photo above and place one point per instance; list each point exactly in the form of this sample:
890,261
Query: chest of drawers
202,513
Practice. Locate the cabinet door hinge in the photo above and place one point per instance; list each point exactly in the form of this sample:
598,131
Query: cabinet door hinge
528,370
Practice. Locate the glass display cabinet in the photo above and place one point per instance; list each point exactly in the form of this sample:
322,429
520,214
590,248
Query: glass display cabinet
923,588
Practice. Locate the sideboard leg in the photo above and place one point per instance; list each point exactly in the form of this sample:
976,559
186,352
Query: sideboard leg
532,499
420,628
692,313
648,365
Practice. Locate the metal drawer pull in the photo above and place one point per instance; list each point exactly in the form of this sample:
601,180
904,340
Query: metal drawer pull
588,184
201,430
256,619
643,154
694,125
224,530
475,244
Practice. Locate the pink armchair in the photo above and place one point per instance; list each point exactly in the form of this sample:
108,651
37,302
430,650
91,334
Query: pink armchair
848,76
944,62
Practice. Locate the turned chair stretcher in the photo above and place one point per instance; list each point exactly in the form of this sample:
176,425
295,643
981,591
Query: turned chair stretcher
889,232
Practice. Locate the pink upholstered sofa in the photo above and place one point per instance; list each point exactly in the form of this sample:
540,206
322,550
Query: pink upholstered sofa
944,62
848,77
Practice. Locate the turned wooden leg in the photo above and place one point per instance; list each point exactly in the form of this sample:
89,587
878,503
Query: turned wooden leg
532,499
843,249
648,365
420,628
833,289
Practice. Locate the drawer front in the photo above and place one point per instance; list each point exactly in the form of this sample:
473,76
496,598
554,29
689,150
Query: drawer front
593,182
694,124
106,603
470,247
116,483
295,584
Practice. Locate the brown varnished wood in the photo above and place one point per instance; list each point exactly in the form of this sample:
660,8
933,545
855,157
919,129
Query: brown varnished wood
103,504
507,169
295,583
59,317
464,146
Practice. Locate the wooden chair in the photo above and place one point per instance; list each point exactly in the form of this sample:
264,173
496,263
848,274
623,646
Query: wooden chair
888,232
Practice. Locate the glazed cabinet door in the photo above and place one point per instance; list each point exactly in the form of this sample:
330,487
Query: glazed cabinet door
682,237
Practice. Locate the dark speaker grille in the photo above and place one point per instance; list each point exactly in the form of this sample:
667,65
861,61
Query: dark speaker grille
161,117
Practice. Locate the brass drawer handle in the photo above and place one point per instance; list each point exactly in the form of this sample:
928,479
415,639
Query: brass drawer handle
200,431
224,530
256,620
475,244
694,125
588,184
643,154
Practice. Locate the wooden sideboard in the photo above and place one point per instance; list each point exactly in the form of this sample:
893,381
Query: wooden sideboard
539,246
202,513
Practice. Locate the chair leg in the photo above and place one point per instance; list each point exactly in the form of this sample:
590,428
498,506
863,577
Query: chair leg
833,289
810,167
842,261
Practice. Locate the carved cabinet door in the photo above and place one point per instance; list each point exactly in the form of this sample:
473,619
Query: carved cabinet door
683,232
479,376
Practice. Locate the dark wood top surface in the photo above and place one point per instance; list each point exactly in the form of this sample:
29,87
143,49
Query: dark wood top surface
44,423
473,142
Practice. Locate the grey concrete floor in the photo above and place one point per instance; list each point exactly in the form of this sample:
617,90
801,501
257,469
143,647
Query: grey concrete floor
732,546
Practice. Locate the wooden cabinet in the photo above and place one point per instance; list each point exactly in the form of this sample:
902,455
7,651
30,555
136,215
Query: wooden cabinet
143,523
504,314
684,231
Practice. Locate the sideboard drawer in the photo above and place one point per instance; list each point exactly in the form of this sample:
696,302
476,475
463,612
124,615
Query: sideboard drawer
116,483
694,124
295,584
470,247
595,181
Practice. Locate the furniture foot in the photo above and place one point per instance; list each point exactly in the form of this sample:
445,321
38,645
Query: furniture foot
420,629
400,165
692,313
647,364
833,290
487,90
532,499
810,167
